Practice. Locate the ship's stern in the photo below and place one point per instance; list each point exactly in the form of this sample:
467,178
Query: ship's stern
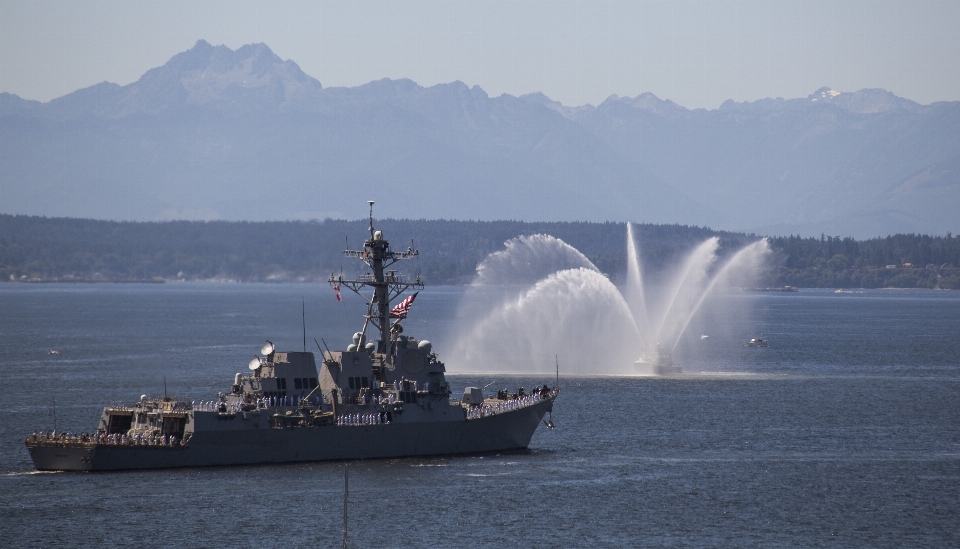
61,457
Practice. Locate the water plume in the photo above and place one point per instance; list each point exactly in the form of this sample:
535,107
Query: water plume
741,267
540,297
684,293
575,313
633,291
528,259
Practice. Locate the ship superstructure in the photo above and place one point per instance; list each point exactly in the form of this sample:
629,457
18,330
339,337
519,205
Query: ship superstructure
377,399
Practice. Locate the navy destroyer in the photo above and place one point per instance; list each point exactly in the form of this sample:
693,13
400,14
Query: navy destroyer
378,399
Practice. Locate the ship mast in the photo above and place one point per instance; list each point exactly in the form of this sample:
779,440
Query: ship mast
387,285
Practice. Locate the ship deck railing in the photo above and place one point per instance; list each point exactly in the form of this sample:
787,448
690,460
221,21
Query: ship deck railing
492,407
85,440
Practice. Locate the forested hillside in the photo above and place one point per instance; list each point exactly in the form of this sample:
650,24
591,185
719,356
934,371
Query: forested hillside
61,249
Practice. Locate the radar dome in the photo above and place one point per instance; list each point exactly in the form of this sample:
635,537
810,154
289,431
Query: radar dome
254,363
369,346
351,348
425,346
267,348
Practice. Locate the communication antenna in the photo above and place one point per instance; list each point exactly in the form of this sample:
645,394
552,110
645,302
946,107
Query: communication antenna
164,387
557,358
346,493
319,348
255,363
303,313
325,346
371,217
54,414
413,246
267,348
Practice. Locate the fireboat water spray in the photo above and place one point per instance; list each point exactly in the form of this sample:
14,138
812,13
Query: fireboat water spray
540,293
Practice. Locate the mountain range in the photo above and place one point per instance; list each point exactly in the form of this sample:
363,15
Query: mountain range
217,133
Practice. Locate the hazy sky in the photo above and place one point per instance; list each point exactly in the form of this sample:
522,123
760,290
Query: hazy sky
697,53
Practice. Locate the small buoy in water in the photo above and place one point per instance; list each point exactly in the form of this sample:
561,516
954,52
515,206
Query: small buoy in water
704,336
54,352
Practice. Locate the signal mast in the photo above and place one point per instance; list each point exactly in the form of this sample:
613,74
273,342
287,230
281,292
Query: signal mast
387,284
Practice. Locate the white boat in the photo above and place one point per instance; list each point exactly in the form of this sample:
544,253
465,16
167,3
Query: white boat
655,362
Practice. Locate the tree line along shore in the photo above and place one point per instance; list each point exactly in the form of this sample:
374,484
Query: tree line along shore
42,249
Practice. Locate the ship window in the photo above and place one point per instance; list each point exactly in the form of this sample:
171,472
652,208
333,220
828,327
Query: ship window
351,383
364,382
313,383
283,383
297,383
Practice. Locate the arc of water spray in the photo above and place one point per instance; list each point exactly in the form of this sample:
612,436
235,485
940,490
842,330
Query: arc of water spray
707,248
635,282
727,267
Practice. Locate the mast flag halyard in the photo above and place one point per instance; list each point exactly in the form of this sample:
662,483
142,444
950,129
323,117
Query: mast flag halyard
387,285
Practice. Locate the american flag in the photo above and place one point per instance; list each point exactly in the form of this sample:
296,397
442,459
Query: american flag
402,308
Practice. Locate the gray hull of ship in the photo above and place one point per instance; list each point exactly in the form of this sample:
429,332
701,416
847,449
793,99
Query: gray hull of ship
238,444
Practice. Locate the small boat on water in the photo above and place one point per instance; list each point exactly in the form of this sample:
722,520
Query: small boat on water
656,362
756,342
842,291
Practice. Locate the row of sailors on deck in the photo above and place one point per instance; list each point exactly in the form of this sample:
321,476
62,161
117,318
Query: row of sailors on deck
111,438
397,385
363,419
64,437
364,399
137,439
205,405
289,400
515,404
216,406
265,402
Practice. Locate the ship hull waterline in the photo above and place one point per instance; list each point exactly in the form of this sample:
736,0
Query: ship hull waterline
506,431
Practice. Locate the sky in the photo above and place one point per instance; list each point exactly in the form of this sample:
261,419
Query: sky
696,53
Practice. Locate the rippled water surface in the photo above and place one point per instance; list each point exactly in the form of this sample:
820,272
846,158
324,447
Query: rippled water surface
845,432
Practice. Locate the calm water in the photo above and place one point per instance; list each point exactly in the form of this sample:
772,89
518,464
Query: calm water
844,433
